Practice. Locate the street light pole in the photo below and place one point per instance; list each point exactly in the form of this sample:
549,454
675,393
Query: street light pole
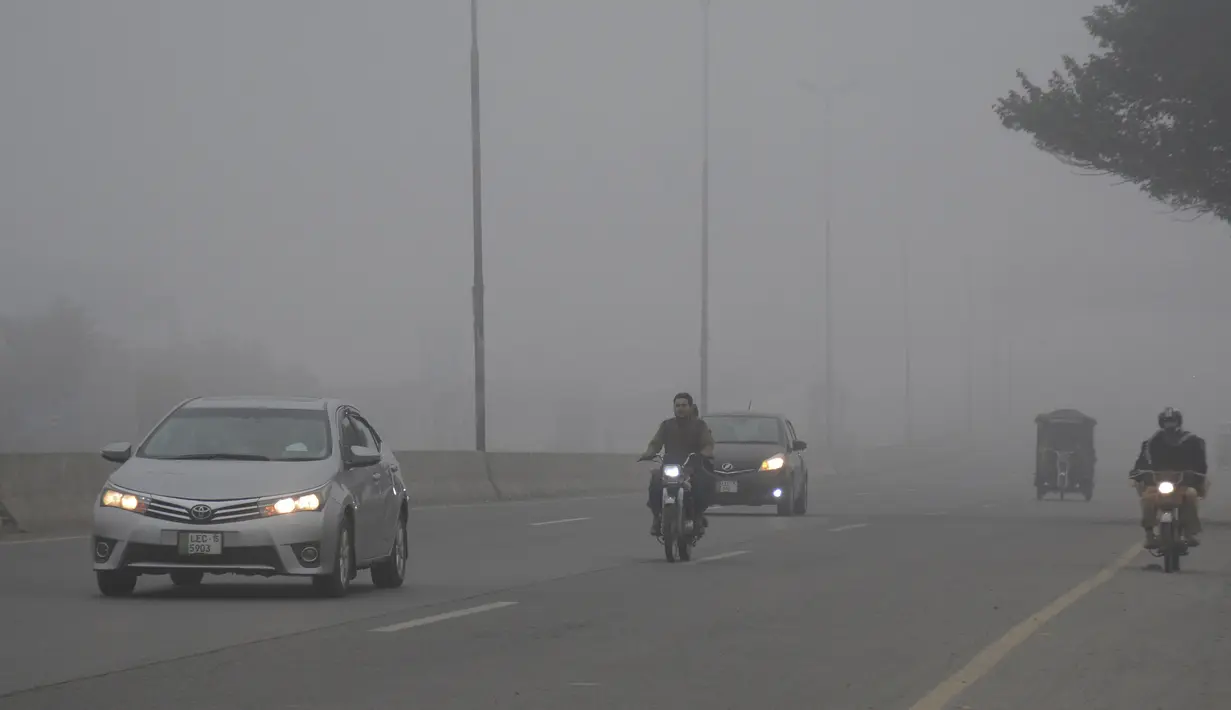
827,98
480,365
1009,379
830,394
968,344
908,404
705,208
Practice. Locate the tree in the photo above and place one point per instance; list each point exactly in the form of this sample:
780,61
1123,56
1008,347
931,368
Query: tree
64,385
1153,107
44,362
214,367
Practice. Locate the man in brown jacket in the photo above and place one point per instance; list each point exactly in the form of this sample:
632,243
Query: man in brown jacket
677,437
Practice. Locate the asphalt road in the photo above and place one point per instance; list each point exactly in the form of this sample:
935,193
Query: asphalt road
904,590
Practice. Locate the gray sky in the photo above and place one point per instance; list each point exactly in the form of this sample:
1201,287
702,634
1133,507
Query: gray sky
298,173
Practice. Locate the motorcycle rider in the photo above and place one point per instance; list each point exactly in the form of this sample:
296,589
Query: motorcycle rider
683,434
1171,448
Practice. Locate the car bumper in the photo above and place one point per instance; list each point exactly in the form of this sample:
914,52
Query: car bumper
756,488
273,546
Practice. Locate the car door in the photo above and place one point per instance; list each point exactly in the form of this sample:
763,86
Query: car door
385,497
797,456
362,482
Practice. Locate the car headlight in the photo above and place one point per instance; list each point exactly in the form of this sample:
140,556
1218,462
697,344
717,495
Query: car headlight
132,502
773,463
1166,487
300,502
672,471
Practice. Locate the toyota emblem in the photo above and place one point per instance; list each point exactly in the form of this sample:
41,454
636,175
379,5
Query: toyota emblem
727,467
201,512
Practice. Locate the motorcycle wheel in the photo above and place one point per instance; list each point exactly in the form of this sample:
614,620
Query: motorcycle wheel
671,530
1166,543
685,539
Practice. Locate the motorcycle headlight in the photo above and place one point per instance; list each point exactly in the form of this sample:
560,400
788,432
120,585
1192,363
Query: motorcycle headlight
672,471
1166,487
773,463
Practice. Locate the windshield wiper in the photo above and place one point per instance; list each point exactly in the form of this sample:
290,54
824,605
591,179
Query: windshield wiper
218,457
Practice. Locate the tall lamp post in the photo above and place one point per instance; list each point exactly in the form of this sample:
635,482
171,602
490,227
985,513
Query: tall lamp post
968,347
827,98
476,167
703,404
908,404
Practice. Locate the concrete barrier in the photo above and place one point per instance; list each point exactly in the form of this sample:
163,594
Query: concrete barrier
51,492
902,457
46,493
447,477
518,476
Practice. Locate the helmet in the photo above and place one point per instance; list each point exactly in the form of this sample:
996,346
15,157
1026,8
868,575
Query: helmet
1170,416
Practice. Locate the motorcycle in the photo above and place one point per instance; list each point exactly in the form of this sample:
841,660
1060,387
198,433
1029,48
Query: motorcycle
678,533
1170,527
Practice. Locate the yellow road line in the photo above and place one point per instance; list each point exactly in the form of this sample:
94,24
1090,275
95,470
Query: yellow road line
985,660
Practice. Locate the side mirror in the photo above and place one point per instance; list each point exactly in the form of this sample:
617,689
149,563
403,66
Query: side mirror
799,446
363,456
118,452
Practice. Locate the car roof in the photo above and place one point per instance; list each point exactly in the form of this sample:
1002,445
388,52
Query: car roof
743,414
260,402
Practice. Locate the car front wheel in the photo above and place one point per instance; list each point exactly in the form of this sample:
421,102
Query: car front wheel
116,583
390,572
337,582
801,502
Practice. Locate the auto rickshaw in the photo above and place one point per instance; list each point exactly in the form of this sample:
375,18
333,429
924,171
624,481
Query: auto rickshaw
1064,453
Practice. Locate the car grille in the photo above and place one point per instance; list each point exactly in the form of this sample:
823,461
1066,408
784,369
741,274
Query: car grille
228,511
735,469
142,553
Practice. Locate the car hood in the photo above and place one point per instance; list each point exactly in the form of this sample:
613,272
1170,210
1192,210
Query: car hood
222,480
743,456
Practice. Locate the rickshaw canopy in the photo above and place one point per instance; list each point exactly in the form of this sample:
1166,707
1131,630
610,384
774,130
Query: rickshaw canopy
1066,416
1066,429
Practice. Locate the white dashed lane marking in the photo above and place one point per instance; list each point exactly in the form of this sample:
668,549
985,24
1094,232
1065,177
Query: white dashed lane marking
424,621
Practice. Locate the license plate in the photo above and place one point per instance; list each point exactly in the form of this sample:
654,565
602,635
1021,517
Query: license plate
195,543
728,486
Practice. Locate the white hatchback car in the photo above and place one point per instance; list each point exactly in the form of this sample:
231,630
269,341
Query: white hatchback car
253,486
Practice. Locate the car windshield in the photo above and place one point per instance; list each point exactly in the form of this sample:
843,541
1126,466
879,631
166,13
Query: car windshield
241,434
744,430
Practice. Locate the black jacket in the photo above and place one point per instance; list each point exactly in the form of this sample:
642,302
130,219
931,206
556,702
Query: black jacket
1157,454
678,438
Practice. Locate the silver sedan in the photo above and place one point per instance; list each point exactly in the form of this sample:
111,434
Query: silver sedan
253,486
